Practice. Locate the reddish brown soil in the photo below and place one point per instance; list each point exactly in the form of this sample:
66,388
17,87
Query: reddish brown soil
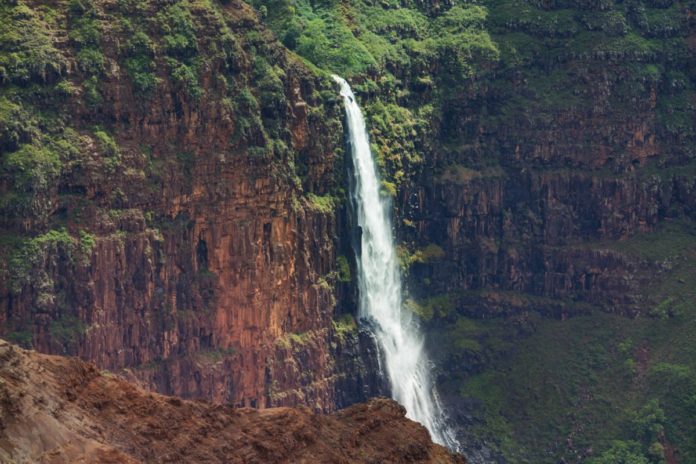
62,410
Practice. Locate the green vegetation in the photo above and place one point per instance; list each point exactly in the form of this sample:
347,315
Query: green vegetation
215,355
30,254
394,131
180,45
397,45
31,171
323,283
622,452
639,47
67,330
428,254
672,244
355,37
26,50
109,148
138,54
32,167
539,386
672,239
321,34
603,386
323,204
31,269
299,338
344,274
85,36
39,146
294,341
87,244
269,80
439,306
462,44
345,325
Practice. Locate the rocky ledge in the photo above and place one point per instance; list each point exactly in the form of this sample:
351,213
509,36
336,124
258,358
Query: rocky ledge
56,410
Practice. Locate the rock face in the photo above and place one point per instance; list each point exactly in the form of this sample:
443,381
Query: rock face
567,147
183,240
76,414
541,233
522,206
556,186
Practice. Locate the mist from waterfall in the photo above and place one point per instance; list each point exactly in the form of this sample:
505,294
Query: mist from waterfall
379,283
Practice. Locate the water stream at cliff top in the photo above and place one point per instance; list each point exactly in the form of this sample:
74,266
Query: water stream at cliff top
379,285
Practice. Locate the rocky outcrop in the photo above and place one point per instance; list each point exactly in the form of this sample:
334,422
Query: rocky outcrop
77,414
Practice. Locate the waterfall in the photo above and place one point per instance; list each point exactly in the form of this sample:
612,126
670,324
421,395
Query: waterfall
379,285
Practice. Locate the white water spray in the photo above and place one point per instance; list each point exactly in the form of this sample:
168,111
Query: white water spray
379,285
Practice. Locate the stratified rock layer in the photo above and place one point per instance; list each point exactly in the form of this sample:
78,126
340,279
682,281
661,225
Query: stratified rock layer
206,268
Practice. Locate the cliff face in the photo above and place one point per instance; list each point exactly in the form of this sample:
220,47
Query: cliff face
579,135
544,234
171,205
77,414
559,188
541,159
164,201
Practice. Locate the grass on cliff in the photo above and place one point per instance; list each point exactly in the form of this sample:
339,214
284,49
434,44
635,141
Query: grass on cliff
322,203
578,385
27,52
345,325
595,386
555,50
672,291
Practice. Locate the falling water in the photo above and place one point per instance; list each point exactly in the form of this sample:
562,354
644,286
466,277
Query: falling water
379,285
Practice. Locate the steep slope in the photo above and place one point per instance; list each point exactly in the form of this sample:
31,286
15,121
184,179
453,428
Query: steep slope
163,201
55,410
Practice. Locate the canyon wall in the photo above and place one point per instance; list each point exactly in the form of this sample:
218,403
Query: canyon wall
183,236
172,205
559,188
540,155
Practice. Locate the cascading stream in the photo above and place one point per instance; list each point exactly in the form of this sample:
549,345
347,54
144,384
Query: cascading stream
379,285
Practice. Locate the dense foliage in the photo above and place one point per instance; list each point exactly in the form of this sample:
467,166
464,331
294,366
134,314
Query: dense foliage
404,61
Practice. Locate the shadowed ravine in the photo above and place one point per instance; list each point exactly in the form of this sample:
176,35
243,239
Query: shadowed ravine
379,283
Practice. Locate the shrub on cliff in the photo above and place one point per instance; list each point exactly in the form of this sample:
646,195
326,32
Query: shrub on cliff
621,452
139,61
26,50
